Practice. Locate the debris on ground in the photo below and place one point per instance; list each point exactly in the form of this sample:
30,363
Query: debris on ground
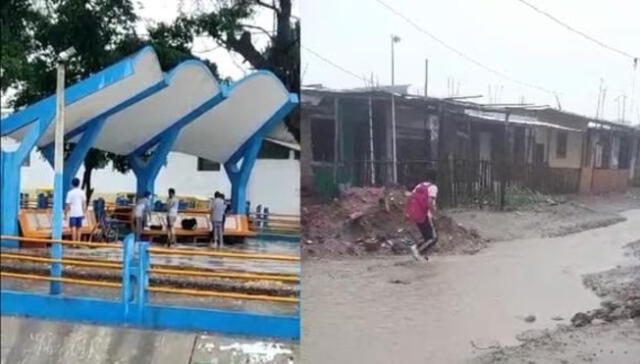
371,220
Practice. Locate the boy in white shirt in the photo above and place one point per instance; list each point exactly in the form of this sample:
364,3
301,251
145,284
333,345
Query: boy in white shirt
216,213
76,208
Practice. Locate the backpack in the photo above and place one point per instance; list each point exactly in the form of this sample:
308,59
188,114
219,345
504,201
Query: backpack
189,224
417,208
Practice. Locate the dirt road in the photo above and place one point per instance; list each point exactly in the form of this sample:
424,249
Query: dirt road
450,309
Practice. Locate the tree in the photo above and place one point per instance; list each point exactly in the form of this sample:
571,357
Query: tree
16,22
102,31
229,25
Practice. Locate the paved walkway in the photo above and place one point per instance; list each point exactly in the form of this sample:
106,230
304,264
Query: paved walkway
27,341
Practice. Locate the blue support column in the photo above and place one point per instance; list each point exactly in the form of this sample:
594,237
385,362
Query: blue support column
147,172
247,154
10,196
142,279
10,164
127,256
56,233
73,162
239,175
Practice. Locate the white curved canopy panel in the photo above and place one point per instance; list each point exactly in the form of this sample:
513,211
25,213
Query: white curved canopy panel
145,73
221,131
190,85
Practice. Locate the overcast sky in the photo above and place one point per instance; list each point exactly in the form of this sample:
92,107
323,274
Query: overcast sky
502,34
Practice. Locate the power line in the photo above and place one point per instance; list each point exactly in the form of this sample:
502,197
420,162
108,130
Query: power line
335,65
460,53
584,35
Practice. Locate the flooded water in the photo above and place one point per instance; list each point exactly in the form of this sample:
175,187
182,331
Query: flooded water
280,247
396,310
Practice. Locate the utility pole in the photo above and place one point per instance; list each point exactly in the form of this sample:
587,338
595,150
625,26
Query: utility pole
394,39
599,100
58,166
426,78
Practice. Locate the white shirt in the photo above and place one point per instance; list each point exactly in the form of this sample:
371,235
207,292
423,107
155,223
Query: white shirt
172,207
76,200
143,207
217,210
433,194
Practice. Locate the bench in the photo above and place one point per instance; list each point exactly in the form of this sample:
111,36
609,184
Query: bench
235,226
36,223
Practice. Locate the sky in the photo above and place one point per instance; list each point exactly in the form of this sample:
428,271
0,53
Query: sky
504,35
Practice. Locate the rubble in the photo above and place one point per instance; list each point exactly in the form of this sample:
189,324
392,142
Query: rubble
372,221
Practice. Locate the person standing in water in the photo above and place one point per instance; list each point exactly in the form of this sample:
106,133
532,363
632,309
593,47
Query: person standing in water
216,213
142,213
172,216
76,209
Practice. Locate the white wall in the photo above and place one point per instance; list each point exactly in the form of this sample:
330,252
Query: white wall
574,150
274,182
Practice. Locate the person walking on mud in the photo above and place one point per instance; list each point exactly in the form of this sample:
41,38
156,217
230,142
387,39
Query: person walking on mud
421,209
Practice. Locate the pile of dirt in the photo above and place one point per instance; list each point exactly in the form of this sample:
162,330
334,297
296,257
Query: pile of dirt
372,221
620,287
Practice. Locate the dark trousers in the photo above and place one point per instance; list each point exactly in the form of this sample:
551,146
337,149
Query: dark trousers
428,231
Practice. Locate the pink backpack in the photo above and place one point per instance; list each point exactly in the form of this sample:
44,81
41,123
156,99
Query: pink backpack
417,207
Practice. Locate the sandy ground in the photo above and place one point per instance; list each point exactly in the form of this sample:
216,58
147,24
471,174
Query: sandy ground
454,308
608,334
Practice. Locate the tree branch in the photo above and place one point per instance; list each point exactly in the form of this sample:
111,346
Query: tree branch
249,26
269,6
245,47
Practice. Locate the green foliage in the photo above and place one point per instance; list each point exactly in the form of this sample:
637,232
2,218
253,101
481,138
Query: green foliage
230,25
517,197
16,22
102,31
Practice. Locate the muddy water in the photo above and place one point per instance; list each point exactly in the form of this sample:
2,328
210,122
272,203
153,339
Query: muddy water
245,265
395,310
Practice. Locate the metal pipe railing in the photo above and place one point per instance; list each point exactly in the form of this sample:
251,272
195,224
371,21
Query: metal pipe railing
222,254
136,269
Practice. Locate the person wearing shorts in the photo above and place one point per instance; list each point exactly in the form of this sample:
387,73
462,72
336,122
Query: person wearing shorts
172,216
76,209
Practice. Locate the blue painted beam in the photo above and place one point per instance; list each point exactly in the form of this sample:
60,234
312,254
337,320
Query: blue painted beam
239,174
89,132
147,172
10,164
157,317
240,165
105,78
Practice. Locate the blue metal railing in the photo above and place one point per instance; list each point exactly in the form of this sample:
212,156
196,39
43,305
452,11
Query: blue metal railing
133,308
